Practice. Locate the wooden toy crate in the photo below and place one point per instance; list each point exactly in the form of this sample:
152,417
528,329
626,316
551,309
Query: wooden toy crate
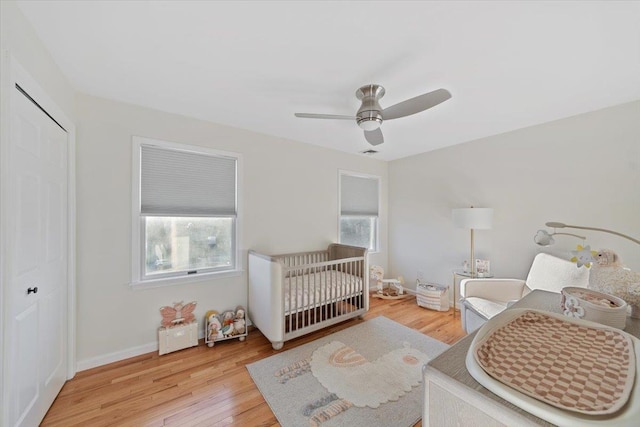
210,339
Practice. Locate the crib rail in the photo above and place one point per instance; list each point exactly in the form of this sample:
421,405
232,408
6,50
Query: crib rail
293,294
321,293
303,258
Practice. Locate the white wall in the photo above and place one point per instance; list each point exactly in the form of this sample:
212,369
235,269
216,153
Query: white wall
290,204
583,170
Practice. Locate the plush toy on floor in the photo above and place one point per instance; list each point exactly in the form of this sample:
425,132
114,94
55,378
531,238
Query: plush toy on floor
227,323
386,288
610,276
239,322
214,325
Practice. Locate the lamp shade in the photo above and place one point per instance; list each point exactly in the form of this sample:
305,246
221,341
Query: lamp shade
473,218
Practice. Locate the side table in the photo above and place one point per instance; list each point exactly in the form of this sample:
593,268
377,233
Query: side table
467,275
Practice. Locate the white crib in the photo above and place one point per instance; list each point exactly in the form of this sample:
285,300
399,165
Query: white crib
294,294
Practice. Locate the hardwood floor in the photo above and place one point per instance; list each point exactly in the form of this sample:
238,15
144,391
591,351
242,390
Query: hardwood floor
204,386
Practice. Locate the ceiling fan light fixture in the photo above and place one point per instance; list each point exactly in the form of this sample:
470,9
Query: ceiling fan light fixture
369,123
370,115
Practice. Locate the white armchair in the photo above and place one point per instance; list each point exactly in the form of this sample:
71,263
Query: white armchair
481,299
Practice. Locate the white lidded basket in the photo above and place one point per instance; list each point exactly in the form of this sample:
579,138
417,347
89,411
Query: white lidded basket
595,306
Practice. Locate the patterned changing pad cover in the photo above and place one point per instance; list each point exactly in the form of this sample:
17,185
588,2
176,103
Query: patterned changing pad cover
571,366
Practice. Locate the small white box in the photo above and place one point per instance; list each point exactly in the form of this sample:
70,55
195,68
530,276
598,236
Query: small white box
177,337
434,297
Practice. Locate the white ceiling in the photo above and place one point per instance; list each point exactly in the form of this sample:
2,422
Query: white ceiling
252,65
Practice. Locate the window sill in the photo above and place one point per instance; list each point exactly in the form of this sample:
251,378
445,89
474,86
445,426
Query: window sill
182,280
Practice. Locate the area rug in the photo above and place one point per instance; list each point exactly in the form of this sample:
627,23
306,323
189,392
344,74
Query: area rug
367,375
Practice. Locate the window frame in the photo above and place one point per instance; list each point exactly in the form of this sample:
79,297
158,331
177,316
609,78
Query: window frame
138,278
342,173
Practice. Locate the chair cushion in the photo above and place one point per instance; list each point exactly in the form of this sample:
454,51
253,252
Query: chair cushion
484,307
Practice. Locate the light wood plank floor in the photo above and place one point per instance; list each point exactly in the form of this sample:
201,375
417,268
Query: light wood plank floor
204,386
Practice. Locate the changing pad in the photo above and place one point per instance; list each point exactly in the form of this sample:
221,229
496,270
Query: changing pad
576,372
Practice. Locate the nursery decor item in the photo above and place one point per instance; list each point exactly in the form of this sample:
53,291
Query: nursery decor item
179,313
214,326
386,288
431,296
595,306
554,224
229,324
179,329
609,275
364,376
544,238
583,256
483,267
239,322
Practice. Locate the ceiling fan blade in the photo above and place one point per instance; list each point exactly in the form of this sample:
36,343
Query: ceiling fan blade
374,137
323,116
415,105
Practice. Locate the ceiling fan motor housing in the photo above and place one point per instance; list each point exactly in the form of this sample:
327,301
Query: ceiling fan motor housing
369,115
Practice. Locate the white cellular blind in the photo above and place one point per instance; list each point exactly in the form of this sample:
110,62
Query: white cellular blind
182,183
358,195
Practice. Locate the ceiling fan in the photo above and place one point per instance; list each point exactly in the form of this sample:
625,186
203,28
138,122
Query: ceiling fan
370,115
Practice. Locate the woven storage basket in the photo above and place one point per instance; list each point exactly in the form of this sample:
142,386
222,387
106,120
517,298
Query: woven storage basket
595,306
433,297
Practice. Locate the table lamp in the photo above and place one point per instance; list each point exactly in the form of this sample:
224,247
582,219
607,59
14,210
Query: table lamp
473,219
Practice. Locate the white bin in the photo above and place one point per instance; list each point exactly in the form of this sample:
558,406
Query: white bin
177,337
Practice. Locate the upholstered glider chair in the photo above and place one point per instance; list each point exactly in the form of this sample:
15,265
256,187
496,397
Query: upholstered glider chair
481,299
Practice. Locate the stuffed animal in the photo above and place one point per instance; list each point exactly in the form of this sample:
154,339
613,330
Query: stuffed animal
179,313
376,274
583,256
214,325
239,322
609,275
227,323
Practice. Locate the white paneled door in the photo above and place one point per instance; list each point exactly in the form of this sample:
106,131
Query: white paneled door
36,326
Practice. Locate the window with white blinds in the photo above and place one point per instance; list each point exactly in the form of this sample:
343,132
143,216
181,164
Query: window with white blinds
359,209
175,182
359,195
185,212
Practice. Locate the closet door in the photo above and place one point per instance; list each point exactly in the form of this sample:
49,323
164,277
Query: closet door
36,327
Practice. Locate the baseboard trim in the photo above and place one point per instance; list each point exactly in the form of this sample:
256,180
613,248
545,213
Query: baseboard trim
117,356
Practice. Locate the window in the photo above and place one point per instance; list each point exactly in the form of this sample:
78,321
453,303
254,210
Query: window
185,215
359,201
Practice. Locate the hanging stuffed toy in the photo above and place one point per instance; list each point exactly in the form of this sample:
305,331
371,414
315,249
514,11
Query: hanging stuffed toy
583,256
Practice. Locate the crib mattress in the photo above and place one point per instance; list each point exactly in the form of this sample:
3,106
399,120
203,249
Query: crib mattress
312,290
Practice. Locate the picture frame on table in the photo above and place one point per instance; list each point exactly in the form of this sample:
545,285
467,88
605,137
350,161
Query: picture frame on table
483,267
